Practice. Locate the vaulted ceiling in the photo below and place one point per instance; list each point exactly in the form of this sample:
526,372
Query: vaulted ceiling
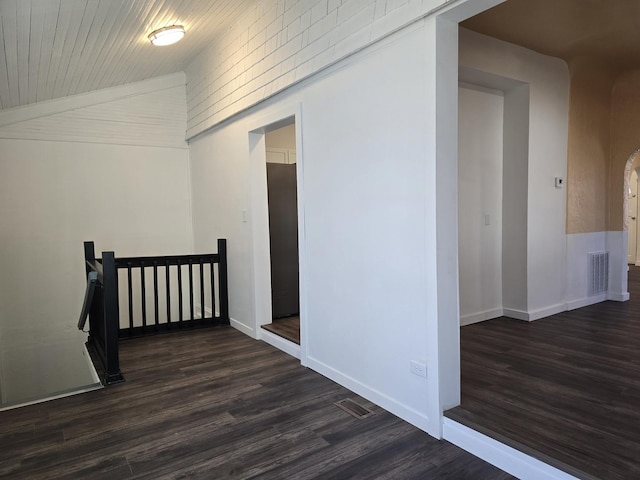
607,30
54,48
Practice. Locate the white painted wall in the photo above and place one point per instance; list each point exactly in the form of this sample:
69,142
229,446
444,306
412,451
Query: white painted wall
221,201
368,220
579,245
480,146
548,82
618,269
281,42
554,264
513,145
130,197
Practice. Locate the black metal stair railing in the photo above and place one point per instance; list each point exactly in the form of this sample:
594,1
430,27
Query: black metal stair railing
149,307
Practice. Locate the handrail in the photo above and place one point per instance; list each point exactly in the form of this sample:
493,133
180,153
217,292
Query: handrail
92,282
96,267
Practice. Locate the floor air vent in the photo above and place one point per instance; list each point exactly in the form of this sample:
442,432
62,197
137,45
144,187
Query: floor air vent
598,273
353,408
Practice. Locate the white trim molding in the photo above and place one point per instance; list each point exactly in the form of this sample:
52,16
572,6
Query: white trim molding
480,316
242,328
512,461
280,343
391,405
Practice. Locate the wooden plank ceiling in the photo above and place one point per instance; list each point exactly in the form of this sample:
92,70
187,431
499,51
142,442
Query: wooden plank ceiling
55,48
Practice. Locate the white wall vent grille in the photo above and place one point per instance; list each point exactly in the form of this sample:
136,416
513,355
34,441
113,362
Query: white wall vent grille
598,273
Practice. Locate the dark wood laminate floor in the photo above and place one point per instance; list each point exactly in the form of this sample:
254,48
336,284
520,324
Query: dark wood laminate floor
215,404
565,388
288,327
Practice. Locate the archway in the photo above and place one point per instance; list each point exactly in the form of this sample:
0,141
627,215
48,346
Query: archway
630,209
633,162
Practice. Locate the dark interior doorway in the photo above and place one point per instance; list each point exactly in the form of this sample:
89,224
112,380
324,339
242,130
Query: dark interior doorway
283,237
282,192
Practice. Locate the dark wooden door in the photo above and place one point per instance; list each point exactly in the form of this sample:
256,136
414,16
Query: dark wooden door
283,235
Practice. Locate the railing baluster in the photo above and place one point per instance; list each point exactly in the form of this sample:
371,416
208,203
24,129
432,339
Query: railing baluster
202,315
191,289
223,281
112,372
144,297
180,292
155,293
167,273
197,310
130,291
213,290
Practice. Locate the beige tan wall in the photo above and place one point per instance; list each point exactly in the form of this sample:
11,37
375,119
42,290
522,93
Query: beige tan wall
625,140
284,137
604,132
589,147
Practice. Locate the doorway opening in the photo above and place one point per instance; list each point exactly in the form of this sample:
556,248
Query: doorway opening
480,138
488,389
630,208
492,196
632,228
282,199
288,153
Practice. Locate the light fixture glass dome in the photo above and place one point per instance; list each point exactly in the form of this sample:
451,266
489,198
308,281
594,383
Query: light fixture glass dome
167,35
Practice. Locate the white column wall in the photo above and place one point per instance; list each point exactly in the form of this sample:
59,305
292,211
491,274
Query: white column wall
480,166
617,245
515,190
368,196
221,201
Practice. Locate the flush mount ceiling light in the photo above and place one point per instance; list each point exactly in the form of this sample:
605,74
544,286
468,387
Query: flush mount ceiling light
167,35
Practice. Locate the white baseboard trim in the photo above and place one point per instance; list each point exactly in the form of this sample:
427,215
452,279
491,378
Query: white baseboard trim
547,312
243,328
516,314
280,343
534,314
510,460
480,316
69,393
585,302
618,297
92,368
405,412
